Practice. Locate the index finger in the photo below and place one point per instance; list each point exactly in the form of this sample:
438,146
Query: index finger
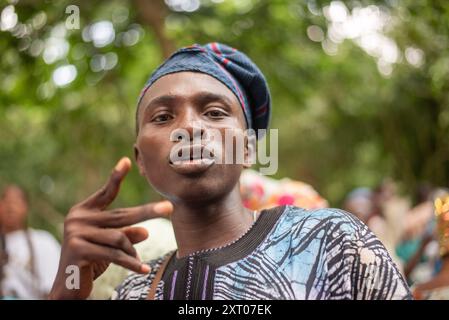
103,197
119,218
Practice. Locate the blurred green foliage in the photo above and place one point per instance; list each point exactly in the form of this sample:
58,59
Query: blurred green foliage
346,117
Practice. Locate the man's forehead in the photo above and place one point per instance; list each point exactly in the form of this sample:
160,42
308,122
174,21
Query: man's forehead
188,84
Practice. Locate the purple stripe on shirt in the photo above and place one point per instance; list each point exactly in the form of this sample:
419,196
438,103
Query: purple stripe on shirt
173,282
205,283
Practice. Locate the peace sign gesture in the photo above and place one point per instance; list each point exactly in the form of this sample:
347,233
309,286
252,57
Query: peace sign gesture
95,237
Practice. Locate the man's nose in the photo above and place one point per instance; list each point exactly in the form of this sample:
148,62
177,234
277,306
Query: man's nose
190,128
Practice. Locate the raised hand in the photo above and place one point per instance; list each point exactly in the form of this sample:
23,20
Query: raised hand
95,237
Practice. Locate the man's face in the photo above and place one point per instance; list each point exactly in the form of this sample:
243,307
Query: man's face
199,105
13,209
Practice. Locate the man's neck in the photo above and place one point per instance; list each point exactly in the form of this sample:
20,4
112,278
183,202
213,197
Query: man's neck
210,225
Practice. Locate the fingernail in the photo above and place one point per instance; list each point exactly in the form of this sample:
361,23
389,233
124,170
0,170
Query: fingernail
123,162
164,207
145,268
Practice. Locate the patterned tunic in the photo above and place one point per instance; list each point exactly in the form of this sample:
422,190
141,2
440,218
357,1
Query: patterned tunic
288,253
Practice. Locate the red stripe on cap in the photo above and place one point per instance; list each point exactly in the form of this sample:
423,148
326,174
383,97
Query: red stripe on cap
215,48
240,95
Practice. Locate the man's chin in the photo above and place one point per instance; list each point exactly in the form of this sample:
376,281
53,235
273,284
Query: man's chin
199,191
202,186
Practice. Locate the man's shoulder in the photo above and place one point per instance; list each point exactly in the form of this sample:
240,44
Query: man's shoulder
315,229
328,218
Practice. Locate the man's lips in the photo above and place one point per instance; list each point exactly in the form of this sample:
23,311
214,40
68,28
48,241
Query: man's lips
193,159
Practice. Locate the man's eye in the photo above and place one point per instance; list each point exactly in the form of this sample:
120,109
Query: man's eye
215,113
161,118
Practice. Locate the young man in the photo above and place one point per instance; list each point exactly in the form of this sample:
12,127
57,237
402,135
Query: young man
225,251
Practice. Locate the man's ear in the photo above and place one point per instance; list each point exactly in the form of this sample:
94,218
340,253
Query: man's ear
139,161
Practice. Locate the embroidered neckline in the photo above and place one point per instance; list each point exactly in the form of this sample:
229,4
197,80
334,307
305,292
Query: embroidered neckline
238,248
256,215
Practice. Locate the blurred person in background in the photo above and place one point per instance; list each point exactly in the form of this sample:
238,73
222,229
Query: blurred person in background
261,192
389,221
3,259
383,211
28,258
437,288
360,203
421,248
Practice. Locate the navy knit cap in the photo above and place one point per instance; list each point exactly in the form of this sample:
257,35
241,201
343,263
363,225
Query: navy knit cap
231,67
